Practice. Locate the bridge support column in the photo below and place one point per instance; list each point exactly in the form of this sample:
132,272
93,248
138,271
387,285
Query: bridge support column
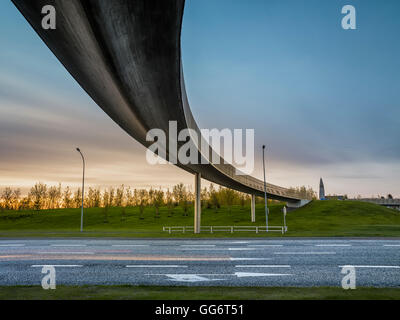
197,203
253,208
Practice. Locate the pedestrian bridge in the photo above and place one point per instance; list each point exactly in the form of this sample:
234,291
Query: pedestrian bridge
127,56
389,203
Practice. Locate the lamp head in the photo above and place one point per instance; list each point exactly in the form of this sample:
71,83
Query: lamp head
263,147
77,149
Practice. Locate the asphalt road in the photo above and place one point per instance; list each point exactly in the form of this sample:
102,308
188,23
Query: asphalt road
226,262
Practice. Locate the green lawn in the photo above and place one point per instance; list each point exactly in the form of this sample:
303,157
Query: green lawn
318,219
195,293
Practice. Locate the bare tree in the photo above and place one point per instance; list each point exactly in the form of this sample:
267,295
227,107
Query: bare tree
119,196
77,200
16,199
169,199
158,201
214,199
54,195
181,196
228,195
67,202
38,194
143,198
7,197
106,205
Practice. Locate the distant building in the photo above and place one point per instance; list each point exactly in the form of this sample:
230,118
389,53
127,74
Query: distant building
321,190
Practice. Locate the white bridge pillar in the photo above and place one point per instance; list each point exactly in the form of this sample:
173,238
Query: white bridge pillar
253,208
197,202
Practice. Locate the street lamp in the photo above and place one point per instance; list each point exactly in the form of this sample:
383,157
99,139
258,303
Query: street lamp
83,186
265,191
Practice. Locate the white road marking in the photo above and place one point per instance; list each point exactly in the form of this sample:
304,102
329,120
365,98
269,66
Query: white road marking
202,277
249,259
12,245
57,265
219,249
130,245
186,277
68,245
333,245
391,245
239,242
305,252
383,267
251,274
79,253
198,245
156,266
266,245
263,266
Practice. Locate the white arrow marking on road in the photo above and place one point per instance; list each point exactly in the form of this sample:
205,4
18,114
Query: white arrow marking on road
202,277
187,277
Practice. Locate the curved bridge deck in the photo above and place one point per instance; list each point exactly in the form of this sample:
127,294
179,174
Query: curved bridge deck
127,56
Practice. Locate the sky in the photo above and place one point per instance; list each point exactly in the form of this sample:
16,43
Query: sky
325,101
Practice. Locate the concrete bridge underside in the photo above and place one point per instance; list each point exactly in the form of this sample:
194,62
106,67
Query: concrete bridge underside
126,54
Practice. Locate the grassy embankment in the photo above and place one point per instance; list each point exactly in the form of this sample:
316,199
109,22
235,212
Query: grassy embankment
318,219
195,293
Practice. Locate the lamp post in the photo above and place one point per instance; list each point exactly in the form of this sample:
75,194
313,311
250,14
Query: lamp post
83,186
265,191
284,218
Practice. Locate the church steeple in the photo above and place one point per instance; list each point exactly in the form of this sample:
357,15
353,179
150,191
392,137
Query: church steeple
321,190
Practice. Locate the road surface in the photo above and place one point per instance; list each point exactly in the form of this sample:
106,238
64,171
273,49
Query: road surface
227,262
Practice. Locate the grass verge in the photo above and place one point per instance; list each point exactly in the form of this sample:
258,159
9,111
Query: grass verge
317,219
195,293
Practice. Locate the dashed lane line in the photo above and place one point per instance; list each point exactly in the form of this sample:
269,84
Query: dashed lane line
12,245
156,266
57,265
333,245
304,253
66,252
262,266
379,267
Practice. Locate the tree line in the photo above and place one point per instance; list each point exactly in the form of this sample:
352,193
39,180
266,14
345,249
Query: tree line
42,197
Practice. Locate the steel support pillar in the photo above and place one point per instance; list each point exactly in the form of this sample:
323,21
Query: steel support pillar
253,208
197,203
